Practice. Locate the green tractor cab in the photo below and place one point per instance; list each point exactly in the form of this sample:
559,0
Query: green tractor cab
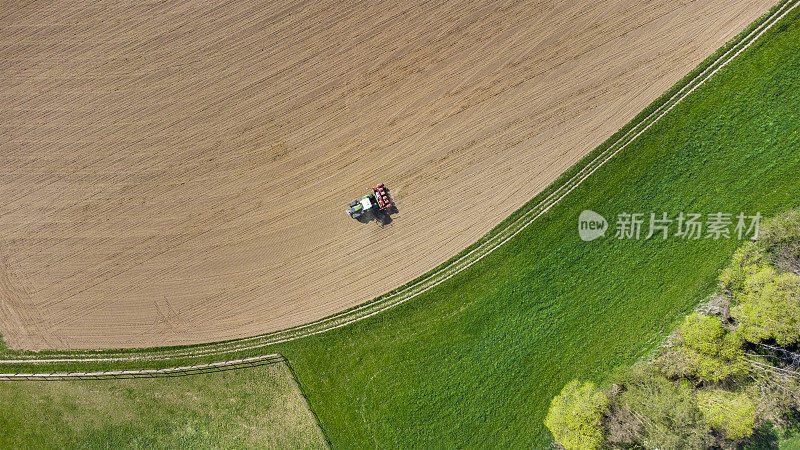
358,208
376,203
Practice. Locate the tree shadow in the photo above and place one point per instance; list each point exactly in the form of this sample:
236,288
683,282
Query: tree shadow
765,437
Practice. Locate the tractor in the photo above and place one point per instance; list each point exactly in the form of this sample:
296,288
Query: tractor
376,204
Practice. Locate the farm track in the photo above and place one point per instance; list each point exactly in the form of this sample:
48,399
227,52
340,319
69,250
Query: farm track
176,175
498,238
179,371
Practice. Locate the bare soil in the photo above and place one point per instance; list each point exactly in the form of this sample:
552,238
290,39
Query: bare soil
178,173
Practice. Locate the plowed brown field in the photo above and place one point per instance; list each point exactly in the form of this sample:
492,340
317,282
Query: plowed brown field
177,173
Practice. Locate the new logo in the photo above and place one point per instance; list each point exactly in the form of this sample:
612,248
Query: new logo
591,225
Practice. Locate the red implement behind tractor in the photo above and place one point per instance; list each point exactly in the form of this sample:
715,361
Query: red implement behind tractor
382,197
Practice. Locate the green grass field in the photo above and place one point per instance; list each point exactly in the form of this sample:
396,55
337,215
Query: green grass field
790,443
251,408
475,361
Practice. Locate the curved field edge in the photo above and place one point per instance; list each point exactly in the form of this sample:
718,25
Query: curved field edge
475,363
511,224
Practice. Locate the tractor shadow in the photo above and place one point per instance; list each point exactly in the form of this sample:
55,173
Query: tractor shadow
384,217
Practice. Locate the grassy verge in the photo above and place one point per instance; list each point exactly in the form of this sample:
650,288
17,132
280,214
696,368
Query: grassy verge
251,408
790,442
475,361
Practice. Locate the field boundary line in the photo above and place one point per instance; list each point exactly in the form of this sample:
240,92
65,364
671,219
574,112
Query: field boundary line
180,371
455,266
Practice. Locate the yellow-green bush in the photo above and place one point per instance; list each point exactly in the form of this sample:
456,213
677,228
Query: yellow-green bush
576,416
733,414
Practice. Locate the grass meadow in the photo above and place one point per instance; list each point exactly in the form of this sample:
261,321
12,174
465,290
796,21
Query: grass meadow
251,408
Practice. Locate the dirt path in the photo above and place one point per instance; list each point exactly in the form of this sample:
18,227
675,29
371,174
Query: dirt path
177,174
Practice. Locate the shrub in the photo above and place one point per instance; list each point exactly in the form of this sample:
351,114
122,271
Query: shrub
744,262
769,307
732,414
780,236
576,414
665,410
708,351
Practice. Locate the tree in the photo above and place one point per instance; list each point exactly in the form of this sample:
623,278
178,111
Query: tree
769,307
780,238
744,262
665,412
732,414
576,414
708,351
